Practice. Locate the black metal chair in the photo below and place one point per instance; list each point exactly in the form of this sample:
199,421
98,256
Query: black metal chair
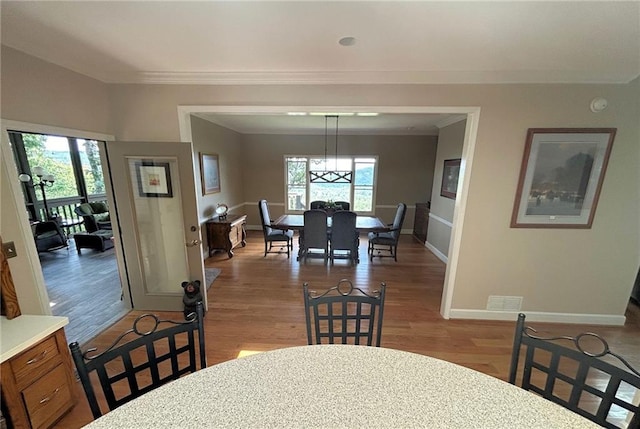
317,205
344,313
565,375
161,355
49,236
388,241
344,236
272,235
314,238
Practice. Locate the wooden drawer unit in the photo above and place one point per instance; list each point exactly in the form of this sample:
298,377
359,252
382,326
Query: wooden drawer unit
421,222
226,234
37,383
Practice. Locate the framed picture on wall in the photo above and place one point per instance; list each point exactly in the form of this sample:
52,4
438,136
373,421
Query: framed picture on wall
561,176
209,173
450,174
154,179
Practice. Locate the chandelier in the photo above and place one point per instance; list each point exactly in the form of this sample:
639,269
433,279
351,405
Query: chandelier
330,176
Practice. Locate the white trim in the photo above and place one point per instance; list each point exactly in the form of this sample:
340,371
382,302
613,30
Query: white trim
538,316
28,127
450,121
468,150
441,220
423,77
436,252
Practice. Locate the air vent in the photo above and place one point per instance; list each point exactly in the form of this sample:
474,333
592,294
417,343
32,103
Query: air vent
504,303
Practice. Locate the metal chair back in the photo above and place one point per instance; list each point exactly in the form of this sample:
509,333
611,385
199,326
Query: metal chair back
344,314
566,376
134,368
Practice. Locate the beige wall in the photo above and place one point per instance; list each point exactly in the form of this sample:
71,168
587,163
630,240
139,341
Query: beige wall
405,168
558,271
450,142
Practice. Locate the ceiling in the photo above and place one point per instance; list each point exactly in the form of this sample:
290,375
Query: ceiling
297,42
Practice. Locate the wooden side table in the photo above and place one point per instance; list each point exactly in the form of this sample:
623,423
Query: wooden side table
226,234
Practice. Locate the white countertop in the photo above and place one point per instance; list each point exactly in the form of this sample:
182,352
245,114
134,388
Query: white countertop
340,386
22,332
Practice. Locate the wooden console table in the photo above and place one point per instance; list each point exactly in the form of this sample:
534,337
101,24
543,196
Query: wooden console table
226,234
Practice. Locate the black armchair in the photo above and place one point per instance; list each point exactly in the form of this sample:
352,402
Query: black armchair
272,235
95,216
49,236
388,240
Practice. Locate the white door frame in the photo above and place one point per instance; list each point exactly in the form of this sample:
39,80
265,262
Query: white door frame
468,150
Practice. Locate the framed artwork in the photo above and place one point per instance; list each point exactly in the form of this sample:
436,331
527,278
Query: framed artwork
154,179
450,174
561,176
209,173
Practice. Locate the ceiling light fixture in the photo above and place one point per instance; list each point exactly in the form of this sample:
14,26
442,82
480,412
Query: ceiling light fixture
325,114
367,114
330,176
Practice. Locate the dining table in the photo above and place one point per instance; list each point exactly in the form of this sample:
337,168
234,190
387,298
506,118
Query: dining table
363,223
340,386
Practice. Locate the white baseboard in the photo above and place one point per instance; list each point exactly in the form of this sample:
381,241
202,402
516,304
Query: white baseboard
444,258
537,316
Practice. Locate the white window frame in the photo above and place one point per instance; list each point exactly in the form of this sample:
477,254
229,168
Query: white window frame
308,158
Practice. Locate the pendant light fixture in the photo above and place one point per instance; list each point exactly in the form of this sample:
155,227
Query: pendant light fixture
335,175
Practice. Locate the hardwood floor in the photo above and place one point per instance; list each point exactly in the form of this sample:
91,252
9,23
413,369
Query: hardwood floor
256,304
85,288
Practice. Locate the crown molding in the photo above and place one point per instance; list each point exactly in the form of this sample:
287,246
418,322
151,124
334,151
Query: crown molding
449,121
361,78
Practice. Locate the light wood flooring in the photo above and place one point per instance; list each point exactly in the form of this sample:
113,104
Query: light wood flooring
256,304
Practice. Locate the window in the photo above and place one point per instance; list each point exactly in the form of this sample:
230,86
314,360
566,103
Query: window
74,164
360,193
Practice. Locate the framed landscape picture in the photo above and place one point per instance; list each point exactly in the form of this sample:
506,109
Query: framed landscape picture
450,175
561,176
209,173
154,179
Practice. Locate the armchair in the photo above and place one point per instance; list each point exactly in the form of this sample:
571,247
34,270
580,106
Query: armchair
49,236
95,216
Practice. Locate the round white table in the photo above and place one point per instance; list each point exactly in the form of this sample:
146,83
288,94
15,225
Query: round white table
340,386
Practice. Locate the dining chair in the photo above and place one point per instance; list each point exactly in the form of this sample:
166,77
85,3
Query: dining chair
344,205
273,235
317,205
155,357
314,236
344,236
578,378
345,314
388,241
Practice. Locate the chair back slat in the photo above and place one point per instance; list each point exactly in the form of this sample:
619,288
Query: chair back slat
344,315
117,364
600,390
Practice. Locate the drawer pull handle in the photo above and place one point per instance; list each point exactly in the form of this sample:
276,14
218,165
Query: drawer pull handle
48,398
36,359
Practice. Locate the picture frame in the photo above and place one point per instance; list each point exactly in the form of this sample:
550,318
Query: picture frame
561,177
209,173
450,176
154,179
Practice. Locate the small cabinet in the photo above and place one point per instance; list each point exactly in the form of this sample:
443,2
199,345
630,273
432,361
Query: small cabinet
37,384
421,222
226,234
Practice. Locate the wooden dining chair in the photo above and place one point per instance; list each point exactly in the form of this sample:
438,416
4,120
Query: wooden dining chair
317,205
578,378
155,357
344,236
314,239
344,314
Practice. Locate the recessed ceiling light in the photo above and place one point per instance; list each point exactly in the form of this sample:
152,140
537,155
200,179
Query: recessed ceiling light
332,113
297,113
367,114
347,41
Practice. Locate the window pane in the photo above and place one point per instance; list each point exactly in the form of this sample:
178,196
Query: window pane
52,154
91,169
329,191
363,200
364,174
296,171
296,198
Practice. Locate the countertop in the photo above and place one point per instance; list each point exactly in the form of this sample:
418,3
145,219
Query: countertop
340,386
22,332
